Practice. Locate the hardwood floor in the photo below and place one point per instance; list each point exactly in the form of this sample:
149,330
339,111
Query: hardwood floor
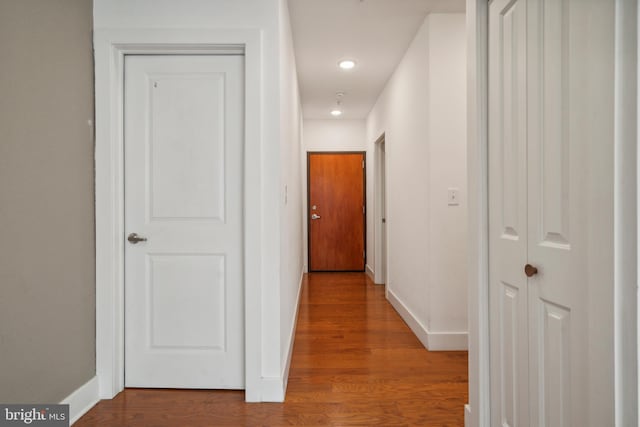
355,363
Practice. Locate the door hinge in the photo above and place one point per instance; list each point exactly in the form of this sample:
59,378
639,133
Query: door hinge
363,209
363,164
364,254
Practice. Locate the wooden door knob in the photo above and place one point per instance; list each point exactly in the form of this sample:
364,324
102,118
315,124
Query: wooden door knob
530,270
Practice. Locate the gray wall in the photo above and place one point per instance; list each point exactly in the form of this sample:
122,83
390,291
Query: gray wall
47,245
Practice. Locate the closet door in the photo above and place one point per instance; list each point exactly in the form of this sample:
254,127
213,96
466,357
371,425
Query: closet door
540,179
508,212
557,216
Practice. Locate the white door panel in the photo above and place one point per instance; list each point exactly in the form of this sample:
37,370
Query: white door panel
556,184
184,297
508,204
187,181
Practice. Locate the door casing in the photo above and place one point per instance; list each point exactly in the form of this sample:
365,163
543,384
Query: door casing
110,47
380,210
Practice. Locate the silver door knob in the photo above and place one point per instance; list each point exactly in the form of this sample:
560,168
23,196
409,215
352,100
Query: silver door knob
134,238
315,216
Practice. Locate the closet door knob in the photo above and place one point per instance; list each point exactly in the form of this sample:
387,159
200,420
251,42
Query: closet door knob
530,270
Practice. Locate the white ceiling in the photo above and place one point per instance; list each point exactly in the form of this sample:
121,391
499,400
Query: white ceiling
375,33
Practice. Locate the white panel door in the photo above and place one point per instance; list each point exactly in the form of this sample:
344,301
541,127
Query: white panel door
537,184
184,313
557,226
508,212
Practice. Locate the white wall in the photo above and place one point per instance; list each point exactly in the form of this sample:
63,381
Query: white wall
422,113
279,112
334,135
337,135
448,168
291,256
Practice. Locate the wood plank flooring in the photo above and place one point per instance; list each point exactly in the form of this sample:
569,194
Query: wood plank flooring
355,363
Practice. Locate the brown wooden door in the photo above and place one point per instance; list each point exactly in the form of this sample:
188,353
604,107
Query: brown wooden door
336,211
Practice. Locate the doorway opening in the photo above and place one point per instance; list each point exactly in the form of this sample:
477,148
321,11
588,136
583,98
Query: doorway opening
110,197
380,233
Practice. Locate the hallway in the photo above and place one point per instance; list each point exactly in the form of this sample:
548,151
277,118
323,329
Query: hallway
355,362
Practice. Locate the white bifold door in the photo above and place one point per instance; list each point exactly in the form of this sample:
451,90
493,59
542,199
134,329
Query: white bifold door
539,322
184,316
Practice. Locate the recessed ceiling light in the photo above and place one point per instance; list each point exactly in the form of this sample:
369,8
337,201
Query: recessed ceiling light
347,64
336,112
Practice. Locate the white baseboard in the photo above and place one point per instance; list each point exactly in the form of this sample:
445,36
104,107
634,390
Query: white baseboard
467,415
83,399
273,388
370,273
292,338
433,341
448,341
408,317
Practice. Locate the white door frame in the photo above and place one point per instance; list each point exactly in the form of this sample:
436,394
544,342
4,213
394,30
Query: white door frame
477,412
627,222
110,48
380,274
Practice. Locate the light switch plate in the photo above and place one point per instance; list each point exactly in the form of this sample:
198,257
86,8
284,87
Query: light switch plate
453,196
